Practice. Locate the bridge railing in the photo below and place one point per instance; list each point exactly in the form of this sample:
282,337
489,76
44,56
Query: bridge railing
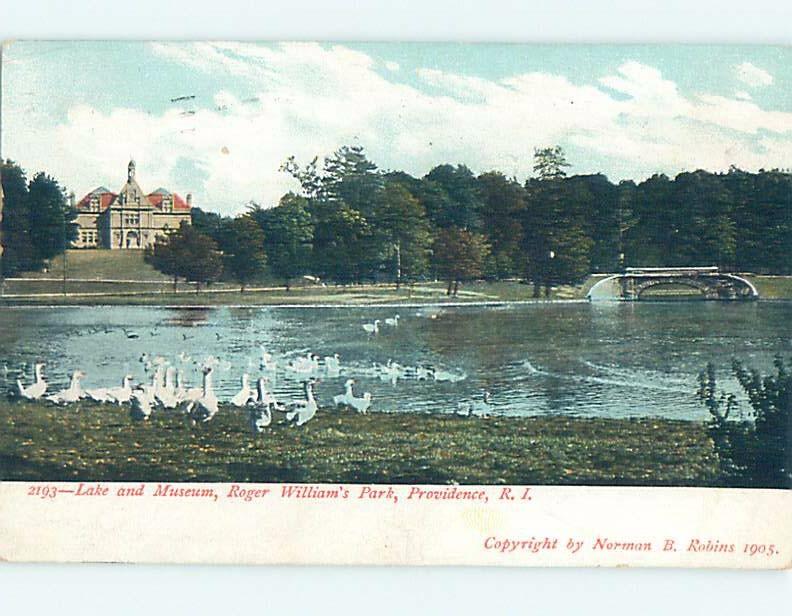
672,270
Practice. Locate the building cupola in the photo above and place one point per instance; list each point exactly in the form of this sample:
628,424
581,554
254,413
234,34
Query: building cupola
131,171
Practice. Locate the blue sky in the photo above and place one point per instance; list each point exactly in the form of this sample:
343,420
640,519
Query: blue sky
81,110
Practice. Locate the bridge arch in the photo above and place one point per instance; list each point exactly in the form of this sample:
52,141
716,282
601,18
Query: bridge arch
711,283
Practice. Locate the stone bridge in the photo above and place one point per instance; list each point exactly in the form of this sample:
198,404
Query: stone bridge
709,281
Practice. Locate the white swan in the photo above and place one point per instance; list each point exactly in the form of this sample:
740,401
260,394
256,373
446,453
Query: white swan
393,321
372,328
37,389
303,410
205,407
245,393
343,399
72,393
260,412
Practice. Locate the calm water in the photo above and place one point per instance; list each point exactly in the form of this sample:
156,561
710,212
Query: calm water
595,359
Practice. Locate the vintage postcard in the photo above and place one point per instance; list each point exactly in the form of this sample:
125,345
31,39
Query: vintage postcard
352,303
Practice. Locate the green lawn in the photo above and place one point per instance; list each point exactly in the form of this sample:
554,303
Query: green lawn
101,264
772,287
89,442
122,277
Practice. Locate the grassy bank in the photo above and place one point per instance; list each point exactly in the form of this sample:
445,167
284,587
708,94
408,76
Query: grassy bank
100,443
87,293
772,287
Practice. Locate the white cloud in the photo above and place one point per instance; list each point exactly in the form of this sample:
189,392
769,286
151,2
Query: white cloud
310,99
752,75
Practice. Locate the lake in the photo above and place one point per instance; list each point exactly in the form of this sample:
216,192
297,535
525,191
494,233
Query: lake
573,358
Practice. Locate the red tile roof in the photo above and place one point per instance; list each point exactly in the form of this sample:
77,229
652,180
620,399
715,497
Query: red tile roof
179,204
106,198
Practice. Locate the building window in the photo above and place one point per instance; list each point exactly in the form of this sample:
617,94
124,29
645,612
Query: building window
131,219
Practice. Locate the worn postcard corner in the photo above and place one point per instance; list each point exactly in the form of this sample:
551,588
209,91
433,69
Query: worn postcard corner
396,303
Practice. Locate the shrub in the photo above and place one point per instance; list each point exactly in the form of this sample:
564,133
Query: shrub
752,450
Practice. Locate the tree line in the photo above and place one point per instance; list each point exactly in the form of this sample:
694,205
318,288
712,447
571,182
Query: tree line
351,222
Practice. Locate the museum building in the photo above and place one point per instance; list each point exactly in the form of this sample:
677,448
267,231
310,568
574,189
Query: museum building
130,219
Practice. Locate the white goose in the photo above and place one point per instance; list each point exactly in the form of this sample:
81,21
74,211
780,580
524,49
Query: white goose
303,410
476,408
268,397
267,362
361,405
72,393
260,412
445,375
372,328
245,393
121,394
205,407
344,399
332,364
305,365
166,393
393,321
141,403
423,373
37,389
391,371
97,394
180,392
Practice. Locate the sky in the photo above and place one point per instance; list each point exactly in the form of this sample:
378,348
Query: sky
81,110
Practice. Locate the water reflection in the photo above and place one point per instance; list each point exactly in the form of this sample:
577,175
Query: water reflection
598,359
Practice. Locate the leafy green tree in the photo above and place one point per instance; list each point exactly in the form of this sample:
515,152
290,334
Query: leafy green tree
351,178
18,252
209,223
51,219
163,257
503,203
549,163
244,257
451,198
459,255
288,236
187,254
404,231
342,196
569,255
541,221
343,241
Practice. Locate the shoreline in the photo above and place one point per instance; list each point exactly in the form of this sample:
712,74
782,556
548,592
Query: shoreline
96,442
478,293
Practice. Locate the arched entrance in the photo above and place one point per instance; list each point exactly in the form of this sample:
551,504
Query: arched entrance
132,239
